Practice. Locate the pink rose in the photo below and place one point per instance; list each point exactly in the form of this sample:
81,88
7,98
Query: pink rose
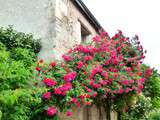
70,76
51,111
121,91
49,82
69,113
47,95
57,91
80,65
88,58
67,58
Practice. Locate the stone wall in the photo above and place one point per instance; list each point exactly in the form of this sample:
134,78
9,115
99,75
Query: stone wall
88,113
31,16
55,22
67,25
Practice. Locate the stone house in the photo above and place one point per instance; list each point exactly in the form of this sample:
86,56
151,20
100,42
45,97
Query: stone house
60,24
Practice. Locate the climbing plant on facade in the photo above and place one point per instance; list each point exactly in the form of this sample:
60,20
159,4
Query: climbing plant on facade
107,72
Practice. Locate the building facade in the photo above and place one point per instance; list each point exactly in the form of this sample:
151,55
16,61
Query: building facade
60,24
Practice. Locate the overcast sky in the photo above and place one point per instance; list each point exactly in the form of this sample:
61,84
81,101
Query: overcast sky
141,17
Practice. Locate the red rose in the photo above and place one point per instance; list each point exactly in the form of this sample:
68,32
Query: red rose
51,111
67,58
57,91
82,98
140,86
95,94
88,103
115,75
88,96
47,95
49,82
70,76
80,65
88,58
69,113
38,69
121,91
53,64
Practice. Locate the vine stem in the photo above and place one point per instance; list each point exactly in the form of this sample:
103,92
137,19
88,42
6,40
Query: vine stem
107,108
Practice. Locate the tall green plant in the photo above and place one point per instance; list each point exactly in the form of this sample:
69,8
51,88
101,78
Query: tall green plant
18,52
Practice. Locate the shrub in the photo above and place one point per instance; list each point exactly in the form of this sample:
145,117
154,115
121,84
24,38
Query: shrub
13,39
13,74
155,115
19,104
18,53
150,104
140,110
107,71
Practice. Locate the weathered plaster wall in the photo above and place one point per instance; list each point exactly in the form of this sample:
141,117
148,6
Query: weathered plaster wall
56,22
30,16
68,26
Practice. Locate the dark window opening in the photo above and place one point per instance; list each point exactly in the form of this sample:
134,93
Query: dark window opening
84,32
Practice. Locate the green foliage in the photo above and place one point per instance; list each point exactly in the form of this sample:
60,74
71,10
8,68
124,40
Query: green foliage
19,104
0,115
140,110
24,56
148,105
152,86
13,39
18,53
155,115
13,74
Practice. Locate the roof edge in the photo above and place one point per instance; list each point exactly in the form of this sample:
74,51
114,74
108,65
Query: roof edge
89,15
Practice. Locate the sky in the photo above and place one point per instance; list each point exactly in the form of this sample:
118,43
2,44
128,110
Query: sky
140,17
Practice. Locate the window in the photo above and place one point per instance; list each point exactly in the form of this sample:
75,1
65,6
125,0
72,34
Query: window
84,32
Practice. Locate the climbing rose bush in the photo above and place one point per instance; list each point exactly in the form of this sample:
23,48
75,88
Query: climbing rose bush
108,68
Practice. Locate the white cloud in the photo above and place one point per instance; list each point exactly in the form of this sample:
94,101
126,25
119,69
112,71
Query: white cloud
140,17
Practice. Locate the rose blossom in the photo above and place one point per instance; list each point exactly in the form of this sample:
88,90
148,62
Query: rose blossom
95,94
51,111
70,76
69,113
47,95
125,82
140,86
80,65
67,58
38,69
88,103
57,91
49,82
74,100
121,91
115,75
97,38
88,58
53,64
82,98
